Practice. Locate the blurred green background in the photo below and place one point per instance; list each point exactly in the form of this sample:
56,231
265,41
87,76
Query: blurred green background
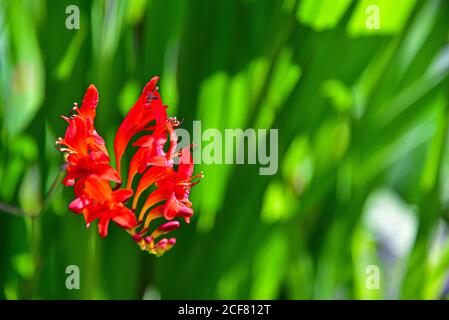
363,120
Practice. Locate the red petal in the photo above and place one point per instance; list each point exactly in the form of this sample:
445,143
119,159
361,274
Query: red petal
173,208
165,228
103,226
144,141
90,102
122,195
68,180
148,178
140,115
98,156
106,172
155,197
78,204
162,244
124,217
133,166
79,187
94,212
185,167
97,189
173,141
76,136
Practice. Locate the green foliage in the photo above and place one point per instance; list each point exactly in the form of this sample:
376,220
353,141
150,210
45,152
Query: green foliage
358,110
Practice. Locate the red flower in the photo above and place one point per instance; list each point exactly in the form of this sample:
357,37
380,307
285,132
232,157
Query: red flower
90,172
85,149
146,109
98,201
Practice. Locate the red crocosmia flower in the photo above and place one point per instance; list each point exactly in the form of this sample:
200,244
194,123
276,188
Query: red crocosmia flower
85,149
89,170
98,201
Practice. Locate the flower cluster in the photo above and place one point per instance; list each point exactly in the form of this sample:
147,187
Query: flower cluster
89,171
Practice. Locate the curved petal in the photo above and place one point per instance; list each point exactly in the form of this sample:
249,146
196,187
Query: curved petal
94,212
106,172
140,115
97,189
90,101
103,226
149,177
185,167
124,217
155,197
166,228
122,195
79,204
173,208
144,141
133,166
